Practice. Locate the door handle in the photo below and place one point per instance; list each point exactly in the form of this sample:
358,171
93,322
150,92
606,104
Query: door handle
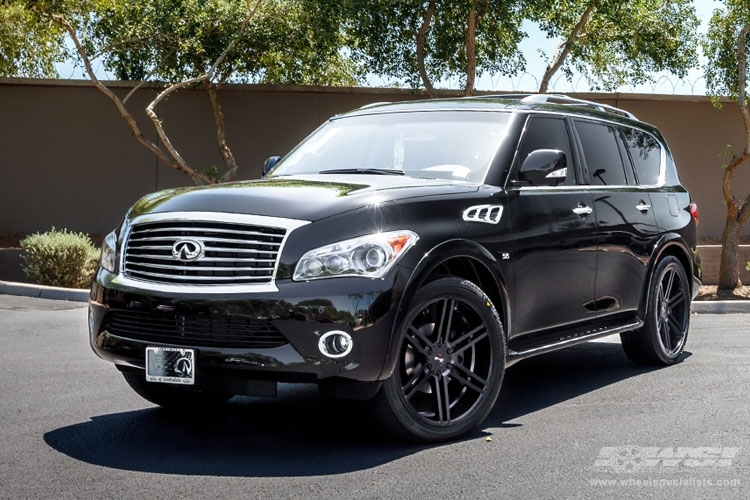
642,206
582,210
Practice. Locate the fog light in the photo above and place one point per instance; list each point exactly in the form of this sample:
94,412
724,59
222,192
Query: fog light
335,344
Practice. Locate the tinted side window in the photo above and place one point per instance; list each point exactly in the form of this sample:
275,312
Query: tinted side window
602,154
544,132
646,154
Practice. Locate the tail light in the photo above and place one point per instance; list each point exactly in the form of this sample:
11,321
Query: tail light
693,208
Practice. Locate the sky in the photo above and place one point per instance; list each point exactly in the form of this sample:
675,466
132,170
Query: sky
693,83
666,83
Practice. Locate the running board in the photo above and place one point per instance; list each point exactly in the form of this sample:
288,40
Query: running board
514,356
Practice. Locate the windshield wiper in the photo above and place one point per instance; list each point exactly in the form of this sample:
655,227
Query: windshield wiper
366,171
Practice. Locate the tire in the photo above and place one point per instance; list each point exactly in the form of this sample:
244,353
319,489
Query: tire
174,397
661,340
450,366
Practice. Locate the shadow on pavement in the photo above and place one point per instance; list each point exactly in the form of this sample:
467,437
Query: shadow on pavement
543,381
301,434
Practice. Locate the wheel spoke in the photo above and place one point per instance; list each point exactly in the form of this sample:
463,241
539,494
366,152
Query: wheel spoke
417,340
660,298
669,275
672,325
468,379
417,381
442,400
443,326
472,340
678,299
677,325
664,331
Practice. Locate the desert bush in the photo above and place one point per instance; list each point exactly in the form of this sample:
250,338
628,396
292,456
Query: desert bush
60,258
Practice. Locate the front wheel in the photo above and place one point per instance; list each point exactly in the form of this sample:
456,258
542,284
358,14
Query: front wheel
661,339
450,366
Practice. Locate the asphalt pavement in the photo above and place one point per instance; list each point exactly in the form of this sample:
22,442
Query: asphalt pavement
578,423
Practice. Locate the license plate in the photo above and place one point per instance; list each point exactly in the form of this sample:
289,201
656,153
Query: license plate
170,365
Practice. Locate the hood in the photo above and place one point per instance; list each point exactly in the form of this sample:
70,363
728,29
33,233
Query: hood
305,197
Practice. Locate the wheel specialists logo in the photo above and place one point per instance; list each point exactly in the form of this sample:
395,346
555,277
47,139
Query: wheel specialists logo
630,459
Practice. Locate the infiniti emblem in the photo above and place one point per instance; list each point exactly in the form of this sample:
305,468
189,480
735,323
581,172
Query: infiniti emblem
187,250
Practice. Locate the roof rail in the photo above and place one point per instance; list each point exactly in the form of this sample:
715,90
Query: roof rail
373,104
561,99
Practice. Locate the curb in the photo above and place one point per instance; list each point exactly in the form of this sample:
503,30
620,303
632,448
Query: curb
720,306
44,292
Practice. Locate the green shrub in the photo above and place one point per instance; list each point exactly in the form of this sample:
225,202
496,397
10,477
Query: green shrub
60,258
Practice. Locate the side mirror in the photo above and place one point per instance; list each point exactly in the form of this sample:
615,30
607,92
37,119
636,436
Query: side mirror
270,163
544,167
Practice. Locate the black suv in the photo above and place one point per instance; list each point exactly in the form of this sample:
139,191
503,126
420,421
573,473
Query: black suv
406,253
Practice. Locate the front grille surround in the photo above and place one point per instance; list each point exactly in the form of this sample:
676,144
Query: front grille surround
199,330
238,253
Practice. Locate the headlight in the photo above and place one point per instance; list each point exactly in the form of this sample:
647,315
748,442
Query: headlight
109,252
369,256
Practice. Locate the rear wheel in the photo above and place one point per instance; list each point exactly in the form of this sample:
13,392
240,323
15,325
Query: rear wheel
171,396
451,361
661,340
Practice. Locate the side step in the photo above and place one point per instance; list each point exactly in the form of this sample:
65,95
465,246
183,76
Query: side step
569,340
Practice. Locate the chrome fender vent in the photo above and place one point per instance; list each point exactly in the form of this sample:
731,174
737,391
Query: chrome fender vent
489,214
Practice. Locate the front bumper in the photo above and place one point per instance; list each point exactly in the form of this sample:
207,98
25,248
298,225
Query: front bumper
243,337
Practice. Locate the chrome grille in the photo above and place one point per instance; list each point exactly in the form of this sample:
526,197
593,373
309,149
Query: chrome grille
233,253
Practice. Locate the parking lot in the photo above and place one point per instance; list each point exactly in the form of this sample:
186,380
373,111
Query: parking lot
580,423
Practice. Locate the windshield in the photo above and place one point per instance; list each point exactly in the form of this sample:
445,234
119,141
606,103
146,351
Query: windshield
458,145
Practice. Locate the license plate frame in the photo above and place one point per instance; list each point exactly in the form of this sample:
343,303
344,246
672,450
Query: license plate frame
170,365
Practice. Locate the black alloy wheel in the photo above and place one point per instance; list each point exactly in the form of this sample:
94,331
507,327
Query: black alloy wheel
662,338
451,361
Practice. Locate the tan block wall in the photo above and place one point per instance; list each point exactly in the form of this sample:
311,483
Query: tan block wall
710,258
68,159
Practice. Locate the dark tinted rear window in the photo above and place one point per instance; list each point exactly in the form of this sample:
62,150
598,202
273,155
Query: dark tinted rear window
602,154
646,154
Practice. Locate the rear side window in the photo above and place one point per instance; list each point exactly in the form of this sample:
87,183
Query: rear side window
645,151
602,154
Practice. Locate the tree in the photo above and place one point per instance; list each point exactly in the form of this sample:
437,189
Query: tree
726,46
187,43
419,42
171,157
613,43
204,43
30,41
172,40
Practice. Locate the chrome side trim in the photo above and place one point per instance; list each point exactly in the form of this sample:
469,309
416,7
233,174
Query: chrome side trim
514,356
